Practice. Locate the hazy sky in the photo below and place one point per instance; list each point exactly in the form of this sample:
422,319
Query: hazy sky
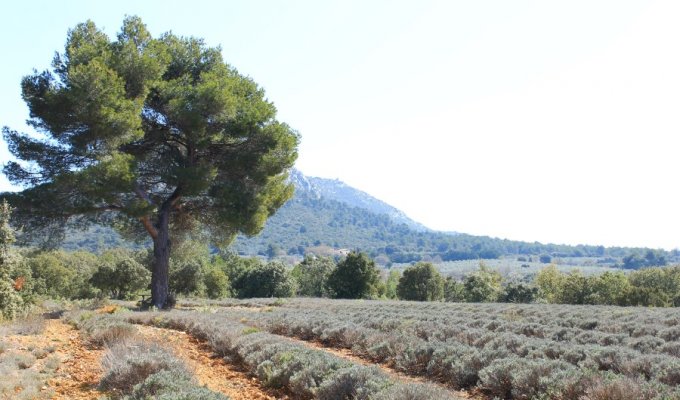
550,121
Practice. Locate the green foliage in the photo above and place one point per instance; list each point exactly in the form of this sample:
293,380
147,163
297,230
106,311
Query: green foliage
266,280
312,276
307,219
550,281
454,291
52,278
612,288
421,282
650,259
10,301
158,137
216,283
187,278
355,277
120,275
659,287
576,289
519,292
391,284
236,267
483,285
60,274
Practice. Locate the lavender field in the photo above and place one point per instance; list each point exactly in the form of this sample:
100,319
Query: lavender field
490,350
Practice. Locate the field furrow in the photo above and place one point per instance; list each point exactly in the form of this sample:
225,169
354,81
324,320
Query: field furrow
293,366
210,371
499,350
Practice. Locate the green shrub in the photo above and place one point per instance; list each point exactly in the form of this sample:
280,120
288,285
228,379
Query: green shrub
10,301
355,277
268,280
421,282
216,283
483,285
120,275
312,276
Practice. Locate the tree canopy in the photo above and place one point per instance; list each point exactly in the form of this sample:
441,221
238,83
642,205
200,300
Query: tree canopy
155,136
355,277
421,282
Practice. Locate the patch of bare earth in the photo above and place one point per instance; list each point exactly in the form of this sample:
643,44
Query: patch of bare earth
210,371
79,373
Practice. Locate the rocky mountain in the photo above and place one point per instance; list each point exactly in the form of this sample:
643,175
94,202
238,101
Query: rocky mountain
330,217
334,189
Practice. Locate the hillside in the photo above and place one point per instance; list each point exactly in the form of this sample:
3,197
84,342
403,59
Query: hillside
329,217
334,189
327,214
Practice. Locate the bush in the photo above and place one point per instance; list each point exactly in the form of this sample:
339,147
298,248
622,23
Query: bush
269,280
10,301
216,283
24,361
355,277
619,389
453,291
120,275
518,292
358,383
414,392
421,282
497,377
186,278
108,333
483,285
127,364
172,385
312,276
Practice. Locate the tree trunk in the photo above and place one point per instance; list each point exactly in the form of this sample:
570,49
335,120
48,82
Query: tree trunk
161,261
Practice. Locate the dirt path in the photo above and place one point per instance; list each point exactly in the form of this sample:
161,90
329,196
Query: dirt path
212,372
76,368
79,373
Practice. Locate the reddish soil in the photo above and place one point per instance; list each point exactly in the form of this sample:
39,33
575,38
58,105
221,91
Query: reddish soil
79,372
209,370
77,375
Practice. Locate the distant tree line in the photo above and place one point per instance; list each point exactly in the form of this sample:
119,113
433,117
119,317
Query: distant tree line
27,275
305,223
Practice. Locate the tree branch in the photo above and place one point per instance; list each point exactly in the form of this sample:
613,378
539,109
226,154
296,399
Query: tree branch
141,193
149,227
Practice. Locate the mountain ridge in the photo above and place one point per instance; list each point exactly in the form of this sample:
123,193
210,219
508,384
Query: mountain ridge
335,189
327,216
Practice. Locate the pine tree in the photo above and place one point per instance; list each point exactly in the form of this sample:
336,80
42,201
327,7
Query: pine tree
158,137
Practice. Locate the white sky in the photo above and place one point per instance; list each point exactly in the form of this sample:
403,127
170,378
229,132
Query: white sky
531,120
